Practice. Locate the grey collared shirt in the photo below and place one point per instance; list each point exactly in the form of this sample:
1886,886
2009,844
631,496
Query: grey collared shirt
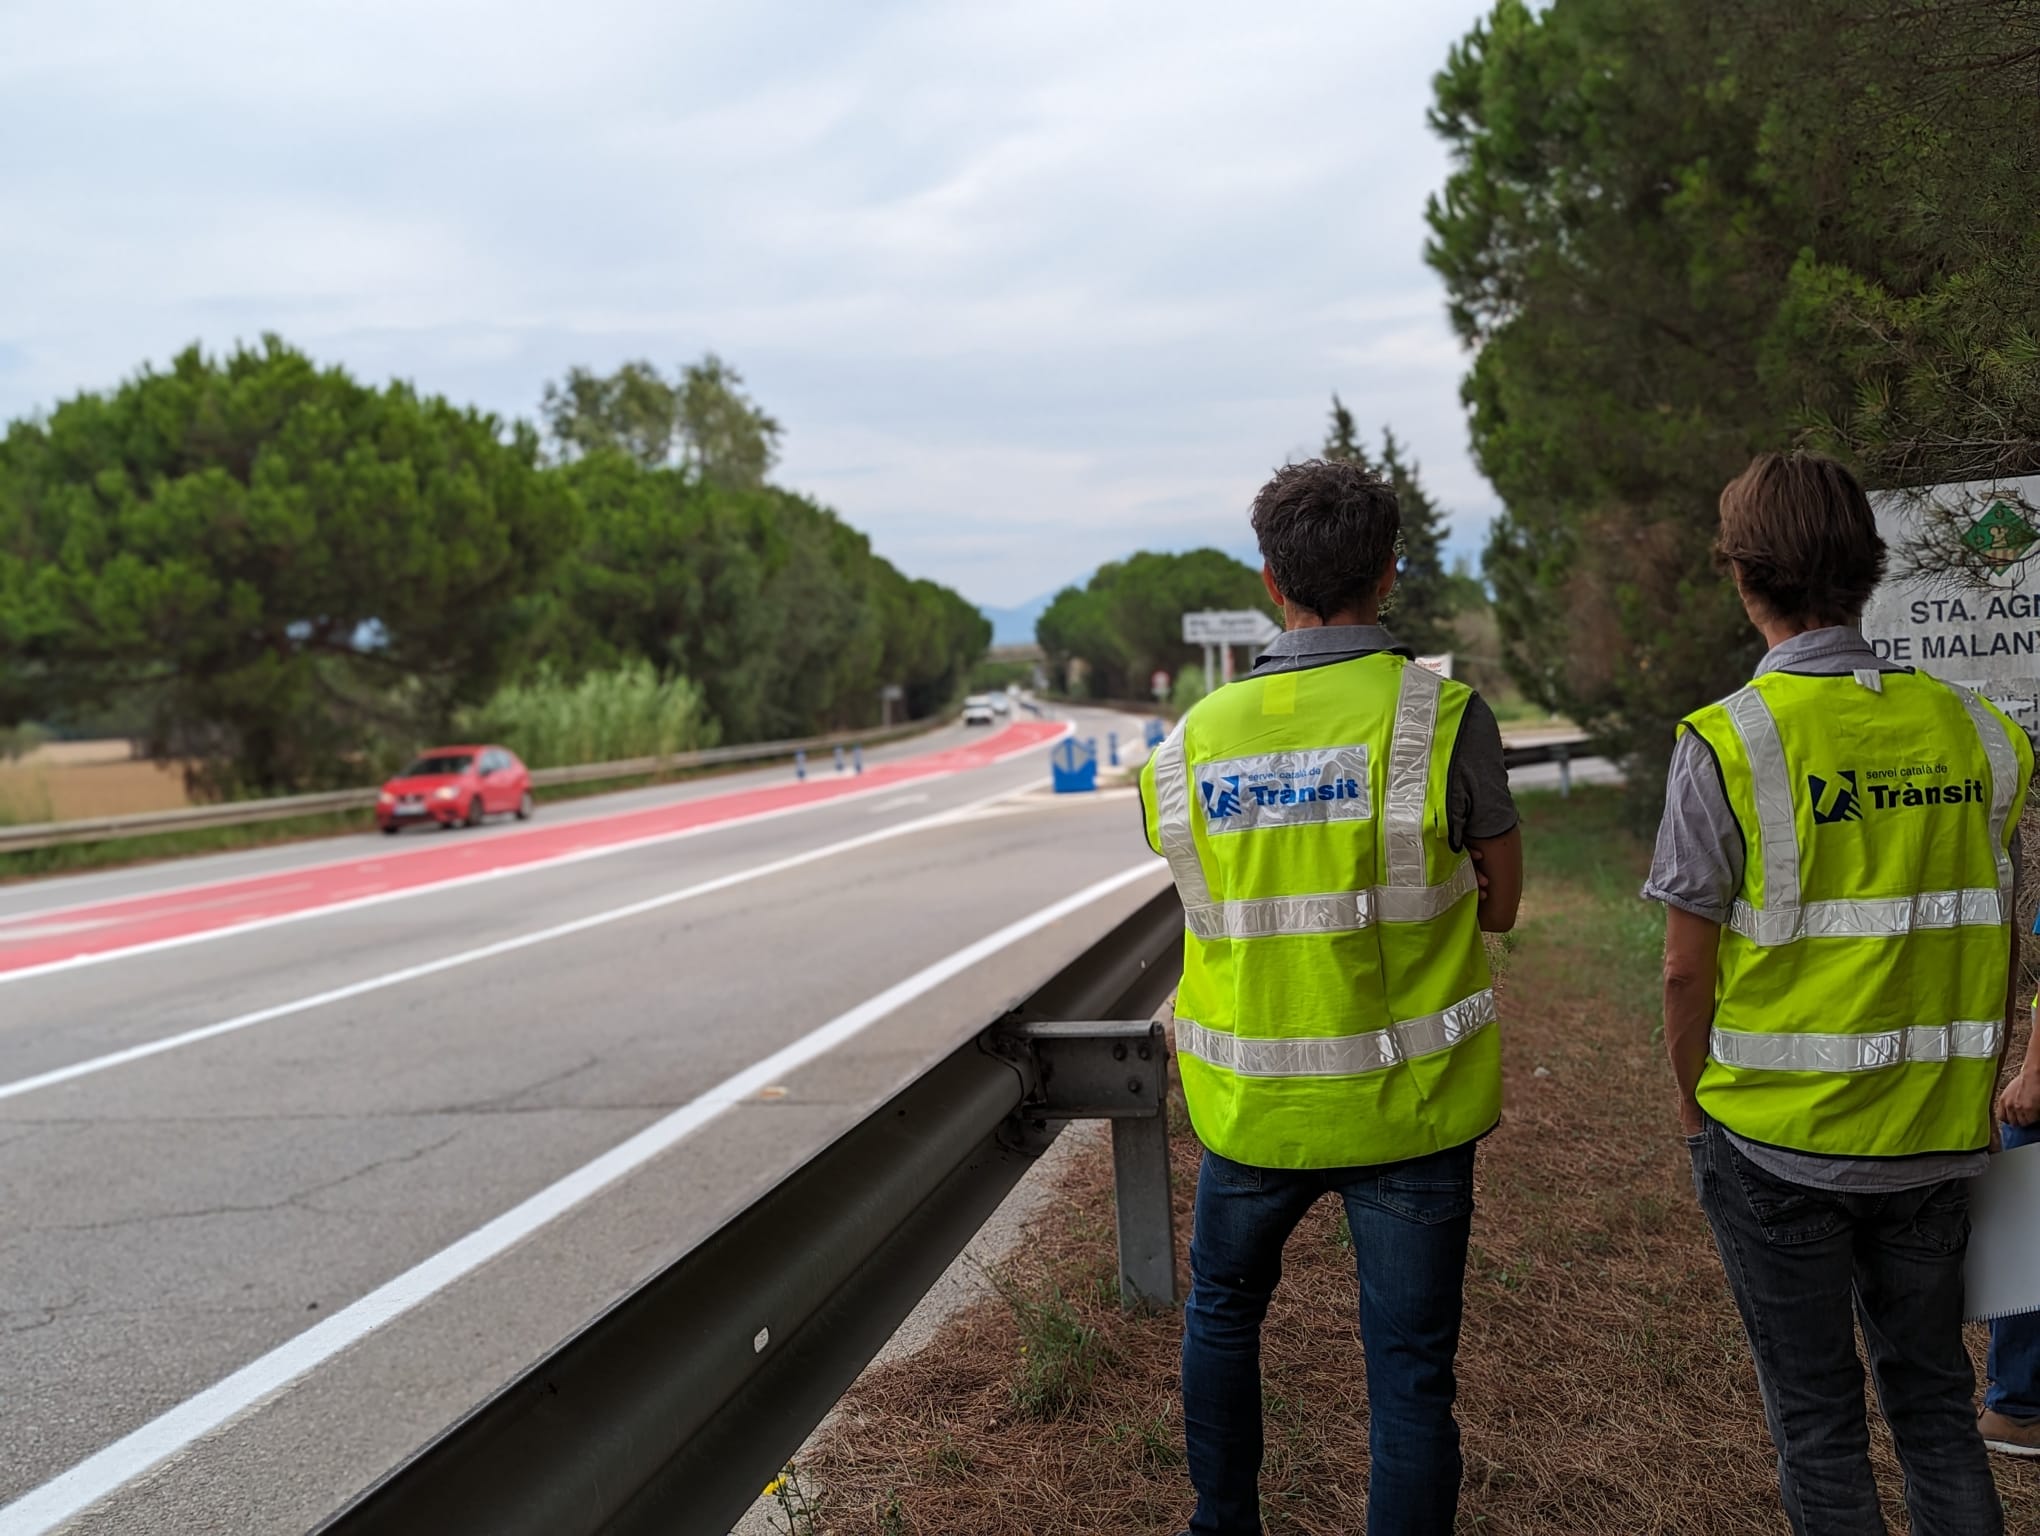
1477,799
1698,868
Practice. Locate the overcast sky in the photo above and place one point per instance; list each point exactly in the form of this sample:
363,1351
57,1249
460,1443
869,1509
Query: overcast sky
1031,286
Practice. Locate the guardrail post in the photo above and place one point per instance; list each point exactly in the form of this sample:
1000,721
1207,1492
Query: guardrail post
1117,1072
1147,1225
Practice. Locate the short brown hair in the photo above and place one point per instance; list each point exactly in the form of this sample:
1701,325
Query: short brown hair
1799,533
1327,529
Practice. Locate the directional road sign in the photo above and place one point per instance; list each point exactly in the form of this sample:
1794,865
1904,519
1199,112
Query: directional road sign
1237,626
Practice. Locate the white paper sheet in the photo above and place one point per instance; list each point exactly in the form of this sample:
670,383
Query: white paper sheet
2004,1237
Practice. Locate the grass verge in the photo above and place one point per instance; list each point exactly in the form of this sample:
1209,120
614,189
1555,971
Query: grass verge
1605,1388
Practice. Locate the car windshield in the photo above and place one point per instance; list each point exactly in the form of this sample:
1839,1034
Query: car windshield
428,767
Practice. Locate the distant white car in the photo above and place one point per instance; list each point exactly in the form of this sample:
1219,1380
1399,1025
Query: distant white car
977,710
1001,705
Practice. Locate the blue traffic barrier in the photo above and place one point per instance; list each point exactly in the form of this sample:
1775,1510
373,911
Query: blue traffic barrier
839,759
800,765
1073,766
1112,748
1157,733
857,756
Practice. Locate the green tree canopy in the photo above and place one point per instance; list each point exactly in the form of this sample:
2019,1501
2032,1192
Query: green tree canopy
288,576
1681,231
700,418
782,614
288,565
1127,621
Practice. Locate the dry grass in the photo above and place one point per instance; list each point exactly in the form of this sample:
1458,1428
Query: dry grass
67,780
1605,1385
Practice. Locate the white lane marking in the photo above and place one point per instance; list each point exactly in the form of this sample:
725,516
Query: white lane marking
13,935
42,1509
565,813
397,978
509,872
899,804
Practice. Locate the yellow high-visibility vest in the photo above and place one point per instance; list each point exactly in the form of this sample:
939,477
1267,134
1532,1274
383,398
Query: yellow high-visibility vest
1859,1002
1336,1008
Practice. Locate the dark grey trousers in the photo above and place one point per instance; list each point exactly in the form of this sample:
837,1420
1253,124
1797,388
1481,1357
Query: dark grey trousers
1806,1266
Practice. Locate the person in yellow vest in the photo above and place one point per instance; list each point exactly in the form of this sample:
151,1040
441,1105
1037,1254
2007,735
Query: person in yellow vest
1335,1024
1836,865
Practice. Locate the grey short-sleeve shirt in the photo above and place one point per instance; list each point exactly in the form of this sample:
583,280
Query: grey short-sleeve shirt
1698,868
1477,799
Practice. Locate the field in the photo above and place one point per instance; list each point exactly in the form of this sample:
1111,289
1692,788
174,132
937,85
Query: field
1605,1386
66,780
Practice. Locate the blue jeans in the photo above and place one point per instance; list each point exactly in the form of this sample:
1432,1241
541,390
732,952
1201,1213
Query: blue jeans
1410,1223
1805,1267
2014,1366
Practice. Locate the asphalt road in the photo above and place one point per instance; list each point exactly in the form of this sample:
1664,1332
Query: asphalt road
291,1189
224,1159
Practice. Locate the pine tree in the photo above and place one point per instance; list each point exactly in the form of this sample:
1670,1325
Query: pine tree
1342,443
1420,609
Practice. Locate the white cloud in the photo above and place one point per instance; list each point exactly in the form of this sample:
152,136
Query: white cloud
1029,285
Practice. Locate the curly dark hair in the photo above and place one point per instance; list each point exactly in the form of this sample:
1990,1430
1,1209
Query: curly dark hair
1327,529
1798,530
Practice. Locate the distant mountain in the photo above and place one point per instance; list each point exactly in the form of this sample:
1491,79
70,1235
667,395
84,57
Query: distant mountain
1015,626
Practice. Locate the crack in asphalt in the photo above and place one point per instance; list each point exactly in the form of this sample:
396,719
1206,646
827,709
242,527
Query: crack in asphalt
295,1198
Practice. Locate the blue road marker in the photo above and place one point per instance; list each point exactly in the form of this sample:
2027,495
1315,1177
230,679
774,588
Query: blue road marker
1073,766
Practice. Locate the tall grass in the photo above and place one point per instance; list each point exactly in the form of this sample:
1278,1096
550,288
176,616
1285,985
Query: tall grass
605,717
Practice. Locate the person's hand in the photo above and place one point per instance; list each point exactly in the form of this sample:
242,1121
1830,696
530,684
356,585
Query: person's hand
2019,1104
1691,1121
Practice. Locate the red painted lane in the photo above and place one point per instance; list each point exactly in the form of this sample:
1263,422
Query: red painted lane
36,940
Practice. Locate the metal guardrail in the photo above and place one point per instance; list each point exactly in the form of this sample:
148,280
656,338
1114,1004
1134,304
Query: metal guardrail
239,813
1560,749
666,1415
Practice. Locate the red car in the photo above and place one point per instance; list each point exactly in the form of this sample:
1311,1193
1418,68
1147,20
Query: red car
455,787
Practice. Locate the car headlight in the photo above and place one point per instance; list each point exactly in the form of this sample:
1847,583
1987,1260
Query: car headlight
385,798
446,792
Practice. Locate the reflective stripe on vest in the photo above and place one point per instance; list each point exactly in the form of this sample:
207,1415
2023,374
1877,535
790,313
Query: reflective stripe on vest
1172,815
1784,918
2004,779
1338,1055
1333,912
1406,898
1975,1040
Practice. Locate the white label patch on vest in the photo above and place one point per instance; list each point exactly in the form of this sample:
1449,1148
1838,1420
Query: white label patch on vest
1285,789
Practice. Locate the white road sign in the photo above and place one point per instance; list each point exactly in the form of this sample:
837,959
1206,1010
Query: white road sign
1238,626
1961,594
1440,664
